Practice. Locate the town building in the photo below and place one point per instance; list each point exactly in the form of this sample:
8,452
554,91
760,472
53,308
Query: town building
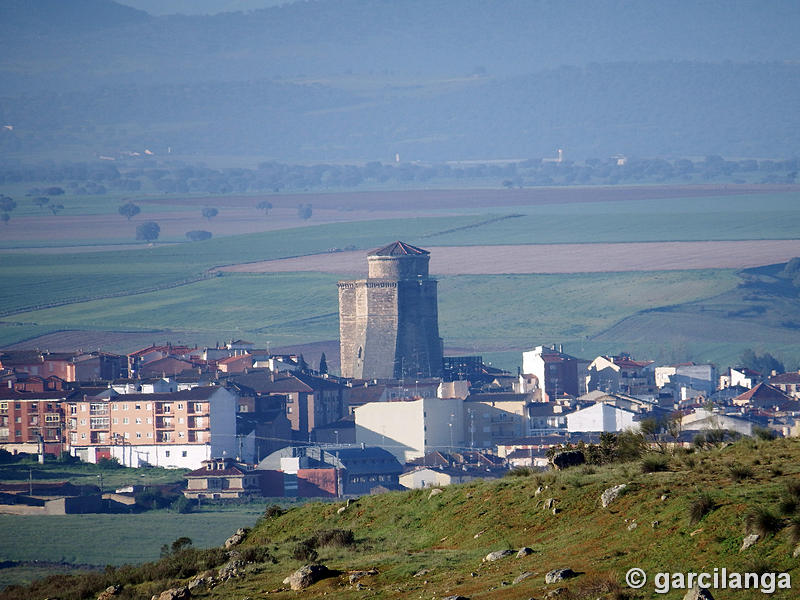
222,478
388,322
32,421
556,372
177,429
411,429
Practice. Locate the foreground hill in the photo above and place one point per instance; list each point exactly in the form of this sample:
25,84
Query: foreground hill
691,517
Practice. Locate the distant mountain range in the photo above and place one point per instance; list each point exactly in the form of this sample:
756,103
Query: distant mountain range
432,80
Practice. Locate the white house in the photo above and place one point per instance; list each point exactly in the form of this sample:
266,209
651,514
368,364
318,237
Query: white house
411,429
601,417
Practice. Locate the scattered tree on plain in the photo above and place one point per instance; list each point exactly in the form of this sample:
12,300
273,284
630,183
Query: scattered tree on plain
304,211
265,206
129,210
209,213
41,201
7,203
147,231
55,208
198,235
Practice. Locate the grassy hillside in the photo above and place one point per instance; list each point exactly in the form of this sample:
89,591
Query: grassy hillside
690,517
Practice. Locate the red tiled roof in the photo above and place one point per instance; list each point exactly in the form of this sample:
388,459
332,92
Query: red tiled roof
785,378
204,472
9,394
763,393
399,249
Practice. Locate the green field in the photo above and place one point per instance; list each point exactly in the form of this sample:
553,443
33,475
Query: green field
114,539
161,289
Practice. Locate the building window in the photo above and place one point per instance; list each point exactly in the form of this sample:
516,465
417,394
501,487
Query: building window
150,434
125,420
289,409
184,453
138,420
116,421
166,453
137,407
127,435
115,406
149,420
83,436
148,406
124,407
180,405
180,420
138,434
198,407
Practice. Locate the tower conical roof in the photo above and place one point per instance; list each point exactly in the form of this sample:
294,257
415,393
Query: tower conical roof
398,249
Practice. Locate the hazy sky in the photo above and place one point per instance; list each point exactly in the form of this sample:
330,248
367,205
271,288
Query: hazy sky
199,7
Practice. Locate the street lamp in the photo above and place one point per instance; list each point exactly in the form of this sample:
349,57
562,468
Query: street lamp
336,433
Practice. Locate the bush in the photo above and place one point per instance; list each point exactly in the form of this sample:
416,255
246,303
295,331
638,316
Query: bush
183,505
519,472
652,463
273,511
338,538
109,463
764,433
304,552
255,554
740,472
762,521
699,507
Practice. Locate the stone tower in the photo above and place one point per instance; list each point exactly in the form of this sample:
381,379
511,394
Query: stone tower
389,323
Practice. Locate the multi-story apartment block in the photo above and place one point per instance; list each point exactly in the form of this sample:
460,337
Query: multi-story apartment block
178,429
32,421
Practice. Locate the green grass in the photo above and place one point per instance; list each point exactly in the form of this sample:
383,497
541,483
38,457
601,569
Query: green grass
114,539
401,533
747,217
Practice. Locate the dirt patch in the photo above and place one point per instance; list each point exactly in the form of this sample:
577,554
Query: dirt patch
557,258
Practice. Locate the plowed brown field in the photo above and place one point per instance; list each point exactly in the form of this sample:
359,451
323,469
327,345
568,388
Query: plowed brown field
558,258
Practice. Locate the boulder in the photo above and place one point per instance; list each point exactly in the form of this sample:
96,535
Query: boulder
749,541
434,492
557,575
236,538
796,552
697,593
632,525
611,494
179,593
456,597
497,555
356,575
524,551
570,458
523,577
307,575
109,592
341,510
550,503
422,572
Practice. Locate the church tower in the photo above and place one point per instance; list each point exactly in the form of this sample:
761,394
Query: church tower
389,322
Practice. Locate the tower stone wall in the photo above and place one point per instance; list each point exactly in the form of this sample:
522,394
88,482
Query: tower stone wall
388,323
